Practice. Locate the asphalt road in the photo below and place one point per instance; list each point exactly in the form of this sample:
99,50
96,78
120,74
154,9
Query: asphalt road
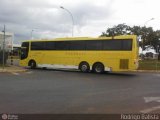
63,91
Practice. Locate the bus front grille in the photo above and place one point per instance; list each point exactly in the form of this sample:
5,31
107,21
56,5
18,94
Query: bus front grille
124,63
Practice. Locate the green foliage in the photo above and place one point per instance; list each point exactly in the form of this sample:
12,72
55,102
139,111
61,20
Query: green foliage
149,65
120,29
148,35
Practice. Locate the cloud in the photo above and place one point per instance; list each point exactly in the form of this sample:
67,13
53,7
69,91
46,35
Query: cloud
22,16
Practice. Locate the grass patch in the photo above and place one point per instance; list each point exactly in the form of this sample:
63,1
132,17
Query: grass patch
149,65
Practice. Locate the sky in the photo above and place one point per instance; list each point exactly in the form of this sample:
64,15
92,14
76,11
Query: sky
44,19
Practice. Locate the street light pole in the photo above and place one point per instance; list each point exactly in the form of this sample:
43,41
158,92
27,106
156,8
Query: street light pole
145,26
148,21
71,17
32,34
4,46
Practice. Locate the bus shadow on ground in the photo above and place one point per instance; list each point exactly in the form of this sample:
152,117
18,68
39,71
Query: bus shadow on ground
127,74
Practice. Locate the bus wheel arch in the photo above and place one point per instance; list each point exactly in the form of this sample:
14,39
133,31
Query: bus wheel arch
32,64
98,67
84,66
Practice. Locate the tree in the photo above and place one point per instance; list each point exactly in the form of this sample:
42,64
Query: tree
148,35
120,29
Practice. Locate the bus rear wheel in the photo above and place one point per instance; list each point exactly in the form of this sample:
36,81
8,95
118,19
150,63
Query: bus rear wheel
84,67
98,68
32,64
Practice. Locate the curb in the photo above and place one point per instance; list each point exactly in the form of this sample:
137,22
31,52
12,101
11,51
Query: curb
2,71
155,71
16,69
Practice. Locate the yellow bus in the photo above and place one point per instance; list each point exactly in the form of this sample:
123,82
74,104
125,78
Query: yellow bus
118,53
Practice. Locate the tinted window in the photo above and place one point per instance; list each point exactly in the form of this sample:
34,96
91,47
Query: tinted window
37,45
94,45
117,44
127,44
77,45
112,44
62,45
50,45
25,44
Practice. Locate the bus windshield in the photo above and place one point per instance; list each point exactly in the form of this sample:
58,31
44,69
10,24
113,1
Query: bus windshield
24,50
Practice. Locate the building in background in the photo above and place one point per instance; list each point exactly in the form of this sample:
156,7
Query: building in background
148,53
9,37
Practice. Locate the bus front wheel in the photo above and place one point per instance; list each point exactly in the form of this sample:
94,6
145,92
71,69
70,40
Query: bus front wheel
98,68
32,64
84,67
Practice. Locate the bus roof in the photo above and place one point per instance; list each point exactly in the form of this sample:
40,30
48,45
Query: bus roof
83,38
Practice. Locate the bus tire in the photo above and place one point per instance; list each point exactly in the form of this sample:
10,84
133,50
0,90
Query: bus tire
98,67
32,64
84,67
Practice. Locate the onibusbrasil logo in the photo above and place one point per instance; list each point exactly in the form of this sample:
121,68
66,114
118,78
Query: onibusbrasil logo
4,116
9,117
